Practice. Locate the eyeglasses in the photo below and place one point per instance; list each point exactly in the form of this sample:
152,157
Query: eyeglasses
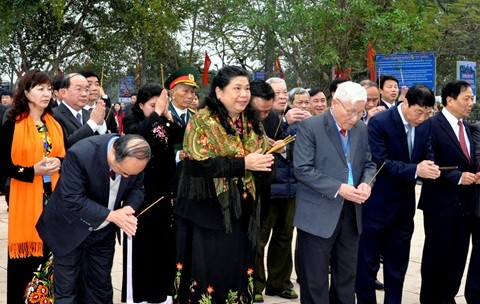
353,113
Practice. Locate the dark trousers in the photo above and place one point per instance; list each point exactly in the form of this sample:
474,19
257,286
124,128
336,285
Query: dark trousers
392,240
93,259
444,256
184,237
279,223
316,254
472,287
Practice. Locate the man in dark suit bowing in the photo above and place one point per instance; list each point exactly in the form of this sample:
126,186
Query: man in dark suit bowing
400,144
334,172
99,191
447,202
78,123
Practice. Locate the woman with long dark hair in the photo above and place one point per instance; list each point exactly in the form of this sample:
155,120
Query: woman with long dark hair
32,148
217,205
151,280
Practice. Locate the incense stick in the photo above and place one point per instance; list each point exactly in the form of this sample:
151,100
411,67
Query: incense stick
370,182
282,143
448,168
281,119
108,114
401,75
150,206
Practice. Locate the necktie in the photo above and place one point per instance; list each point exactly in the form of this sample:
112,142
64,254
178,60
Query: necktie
461,138
79,118
183,117
409,139
112,174
343,132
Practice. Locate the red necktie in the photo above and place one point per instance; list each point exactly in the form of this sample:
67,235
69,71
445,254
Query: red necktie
343,132
461,138
112,174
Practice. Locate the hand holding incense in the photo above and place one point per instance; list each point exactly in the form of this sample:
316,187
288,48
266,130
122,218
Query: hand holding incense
281,143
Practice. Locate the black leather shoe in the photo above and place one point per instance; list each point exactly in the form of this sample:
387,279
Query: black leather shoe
286,294
379,285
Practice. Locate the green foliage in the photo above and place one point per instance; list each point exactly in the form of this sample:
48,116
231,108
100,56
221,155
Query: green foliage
115,35
309,36
475,113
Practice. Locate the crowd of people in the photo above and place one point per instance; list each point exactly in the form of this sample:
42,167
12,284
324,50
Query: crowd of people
195,190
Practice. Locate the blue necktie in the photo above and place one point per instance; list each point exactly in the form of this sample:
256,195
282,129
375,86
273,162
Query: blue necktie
409,140
79,118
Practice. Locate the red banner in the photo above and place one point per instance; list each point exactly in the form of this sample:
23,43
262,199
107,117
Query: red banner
371,60
206,66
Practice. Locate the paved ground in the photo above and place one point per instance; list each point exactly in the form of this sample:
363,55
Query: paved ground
410,293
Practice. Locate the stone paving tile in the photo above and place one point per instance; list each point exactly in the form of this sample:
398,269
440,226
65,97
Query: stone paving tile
410,292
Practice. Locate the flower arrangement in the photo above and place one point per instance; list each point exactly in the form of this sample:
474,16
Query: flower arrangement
250,284
160,132
206,298
176,283
40,289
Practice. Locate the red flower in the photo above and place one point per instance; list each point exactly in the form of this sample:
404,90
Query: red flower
179,266
250,271
210,289
42,290
45,300
34,297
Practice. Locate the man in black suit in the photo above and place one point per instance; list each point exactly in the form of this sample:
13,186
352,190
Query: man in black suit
388,90
133,100
472,286
56,99
78,123
3,109
387,216
96,89
96,96
277,202
101,184
6,97
447,202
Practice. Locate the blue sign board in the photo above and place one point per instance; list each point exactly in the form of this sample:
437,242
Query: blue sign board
409,68
259,75
125,88
467,70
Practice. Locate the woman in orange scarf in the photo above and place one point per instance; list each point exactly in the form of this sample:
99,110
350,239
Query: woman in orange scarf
32,148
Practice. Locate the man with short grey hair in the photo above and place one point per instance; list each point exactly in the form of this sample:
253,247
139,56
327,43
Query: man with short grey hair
78,123
335,173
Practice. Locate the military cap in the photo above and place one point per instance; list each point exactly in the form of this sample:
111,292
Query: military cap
186,75
5,92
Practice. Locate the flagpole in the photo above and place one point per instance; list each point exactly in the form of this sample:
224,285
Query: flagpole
161,73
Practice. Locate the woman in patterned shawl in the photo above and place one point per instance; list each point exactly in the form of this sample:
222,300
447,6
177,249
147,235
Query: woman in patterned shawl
217,204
